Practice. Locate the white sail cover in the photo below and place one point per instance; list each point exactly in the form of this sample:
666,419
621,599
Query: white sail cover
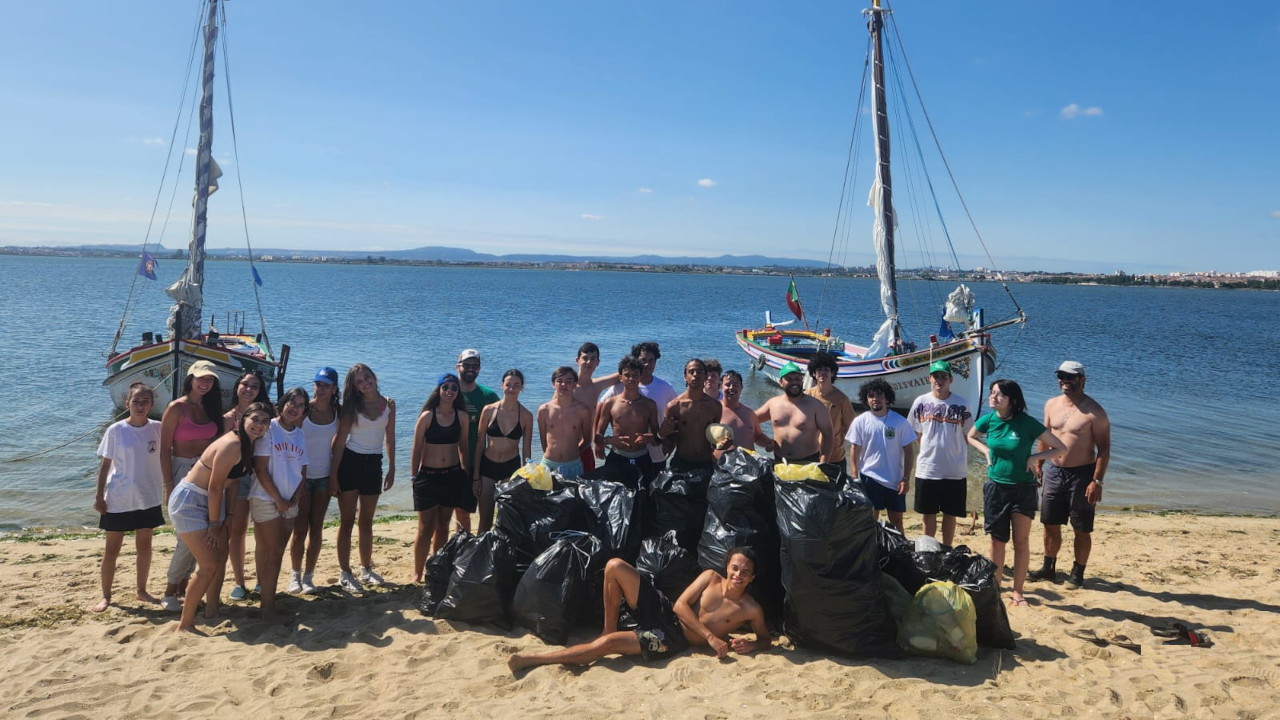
884,338
960,304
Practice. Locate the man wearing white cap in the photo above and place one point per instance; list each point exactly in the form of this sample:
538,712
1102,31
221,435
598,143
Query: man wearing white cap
1072,481
802,430
942,420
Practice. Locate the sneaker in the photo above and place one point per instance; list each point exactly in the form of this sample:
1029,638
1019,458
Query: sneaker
308,587
348,582
170,603
238,593
295,583
369,577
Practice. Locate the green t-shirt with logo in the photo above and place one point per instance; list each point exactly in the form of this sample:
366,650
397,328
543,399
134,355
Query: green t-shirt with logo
1011,442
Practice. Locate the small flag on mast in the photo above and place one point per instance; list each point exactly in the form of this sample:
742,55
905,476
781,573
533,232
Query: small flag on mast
793,300
147,266
256,277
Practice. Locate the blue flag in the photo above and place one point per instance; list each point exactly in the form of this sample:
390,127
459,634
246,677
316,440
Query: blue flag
256,277
944,330
147,266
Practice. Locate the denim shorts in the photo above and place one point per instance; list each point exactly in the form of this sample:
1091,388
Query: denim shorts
246,484
569,469
317,486
189,508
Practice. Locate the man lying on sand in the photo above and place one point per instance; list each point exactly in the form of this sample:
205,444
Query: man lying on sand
708,610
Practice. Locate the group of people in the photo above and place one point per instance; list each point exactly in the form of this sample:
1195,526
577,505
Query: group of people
280,464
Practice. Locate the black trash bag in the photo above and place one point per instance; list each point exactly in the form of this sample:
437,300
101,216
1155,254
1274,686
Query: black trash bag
678,501
897,558
439,569
740,513
555,590
835,600
977,575
482,584
528,517
612,512
668,566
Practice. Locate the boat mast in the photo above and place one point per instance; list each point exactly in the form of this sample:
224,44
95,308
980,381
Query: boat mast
882,190
187,292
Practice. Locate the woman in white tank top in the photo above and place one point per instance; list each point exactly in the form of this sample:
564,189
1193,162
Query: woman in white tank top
366,425
320,427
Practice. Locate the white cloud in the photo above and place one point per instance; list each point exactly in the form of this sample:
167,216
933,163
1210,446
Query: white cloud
191,151
1073,111
1275,214
589,216
645,191
153,141
706,183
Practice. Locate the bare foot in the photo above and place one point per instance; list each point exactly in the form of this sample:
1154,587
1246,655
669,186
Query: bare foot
147,597
189,629
102,605
417,579
519,662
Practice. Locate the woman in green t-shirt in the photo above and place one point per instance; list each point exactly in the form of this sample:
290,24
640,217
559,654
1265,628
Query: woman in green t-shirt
1006,439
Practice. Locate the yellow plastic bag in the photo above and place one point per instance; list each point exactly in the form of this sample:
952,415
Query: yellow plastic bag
941,622
538,475
797,473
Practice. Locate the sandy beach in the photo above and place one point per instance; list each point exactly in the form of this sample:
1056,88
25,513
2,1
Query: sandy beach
377,656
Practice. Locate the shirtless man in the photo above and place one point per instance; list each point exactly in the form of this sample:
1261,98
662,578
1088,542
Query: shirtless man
688,416
708,610
1072,481
746,428
564,426
634,420
823,369
802,430
651,386
589,389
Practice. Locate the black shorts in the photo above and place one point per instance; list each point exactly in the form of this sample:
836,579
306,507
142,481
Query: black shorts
359,471
447,487
881,497
657,628
1063,497
499,471
130,520
816,457
1001,501
629,471
938,495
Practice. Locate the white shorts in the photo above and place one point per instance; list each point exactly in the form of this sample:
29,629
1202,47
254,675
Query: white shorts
265,511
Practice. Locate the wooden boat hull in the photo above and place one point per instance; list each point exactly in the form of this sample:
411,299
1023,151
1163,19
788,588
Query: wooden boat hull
154,365
971,359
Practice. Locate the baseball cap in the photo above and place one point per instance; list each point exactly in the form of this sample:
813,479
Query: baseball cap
1071,367
940,366
327,375
468,354
787,369
202,368
447,377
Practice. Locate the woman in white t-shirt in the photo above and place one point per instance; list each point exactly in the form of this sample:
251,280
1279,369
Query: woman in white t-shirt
279,465
130,490
319,426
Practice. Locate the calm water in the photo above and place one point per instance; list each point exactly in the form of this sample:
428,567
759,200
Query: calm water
1188,377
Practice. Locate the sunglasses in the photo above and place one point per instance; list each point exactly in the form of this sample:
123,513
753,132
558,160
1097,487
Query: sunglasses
449,388
1064,377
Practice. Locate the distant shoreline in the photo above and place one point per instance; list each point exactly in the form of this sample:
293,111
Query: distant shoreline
1118,279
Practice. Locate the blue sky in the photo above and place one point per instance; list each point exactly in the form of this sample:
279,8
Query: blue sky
1120,136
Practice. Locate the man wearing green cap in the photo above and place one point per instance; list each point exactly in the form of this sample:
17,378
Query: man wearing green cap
942,420
801,424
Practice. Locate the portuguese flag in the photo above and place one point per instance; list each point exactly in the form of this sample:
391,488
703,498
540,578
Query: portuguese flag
793,301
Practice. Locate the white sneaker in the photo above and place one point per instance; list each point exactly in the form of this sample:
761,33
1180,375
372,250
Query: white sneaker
308,587
295,583
170,603
348,582
369,577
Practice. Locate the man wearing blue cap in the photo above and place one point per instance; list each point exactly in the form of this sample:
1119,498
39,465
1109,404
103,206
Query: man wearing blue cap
942,420
802,430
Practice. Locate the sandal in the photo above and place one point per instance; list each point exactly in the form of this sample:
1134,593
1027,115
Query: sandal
1123,641
1087,635
1180,633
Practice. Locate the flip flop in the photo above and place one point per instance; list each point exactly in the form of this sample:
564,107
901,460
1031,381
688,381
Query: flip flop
1123,641
1180,633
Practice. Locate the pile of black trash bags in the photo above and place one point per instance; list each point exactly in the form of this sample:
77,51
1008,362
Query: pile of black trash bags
824,574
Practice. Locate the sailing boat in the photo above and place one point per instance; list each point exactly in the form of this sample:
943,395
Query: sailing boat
963,340
162,359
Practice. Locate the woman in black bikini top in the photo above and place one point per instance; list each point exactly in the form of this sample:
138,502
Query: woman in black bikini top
439,464
499,454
